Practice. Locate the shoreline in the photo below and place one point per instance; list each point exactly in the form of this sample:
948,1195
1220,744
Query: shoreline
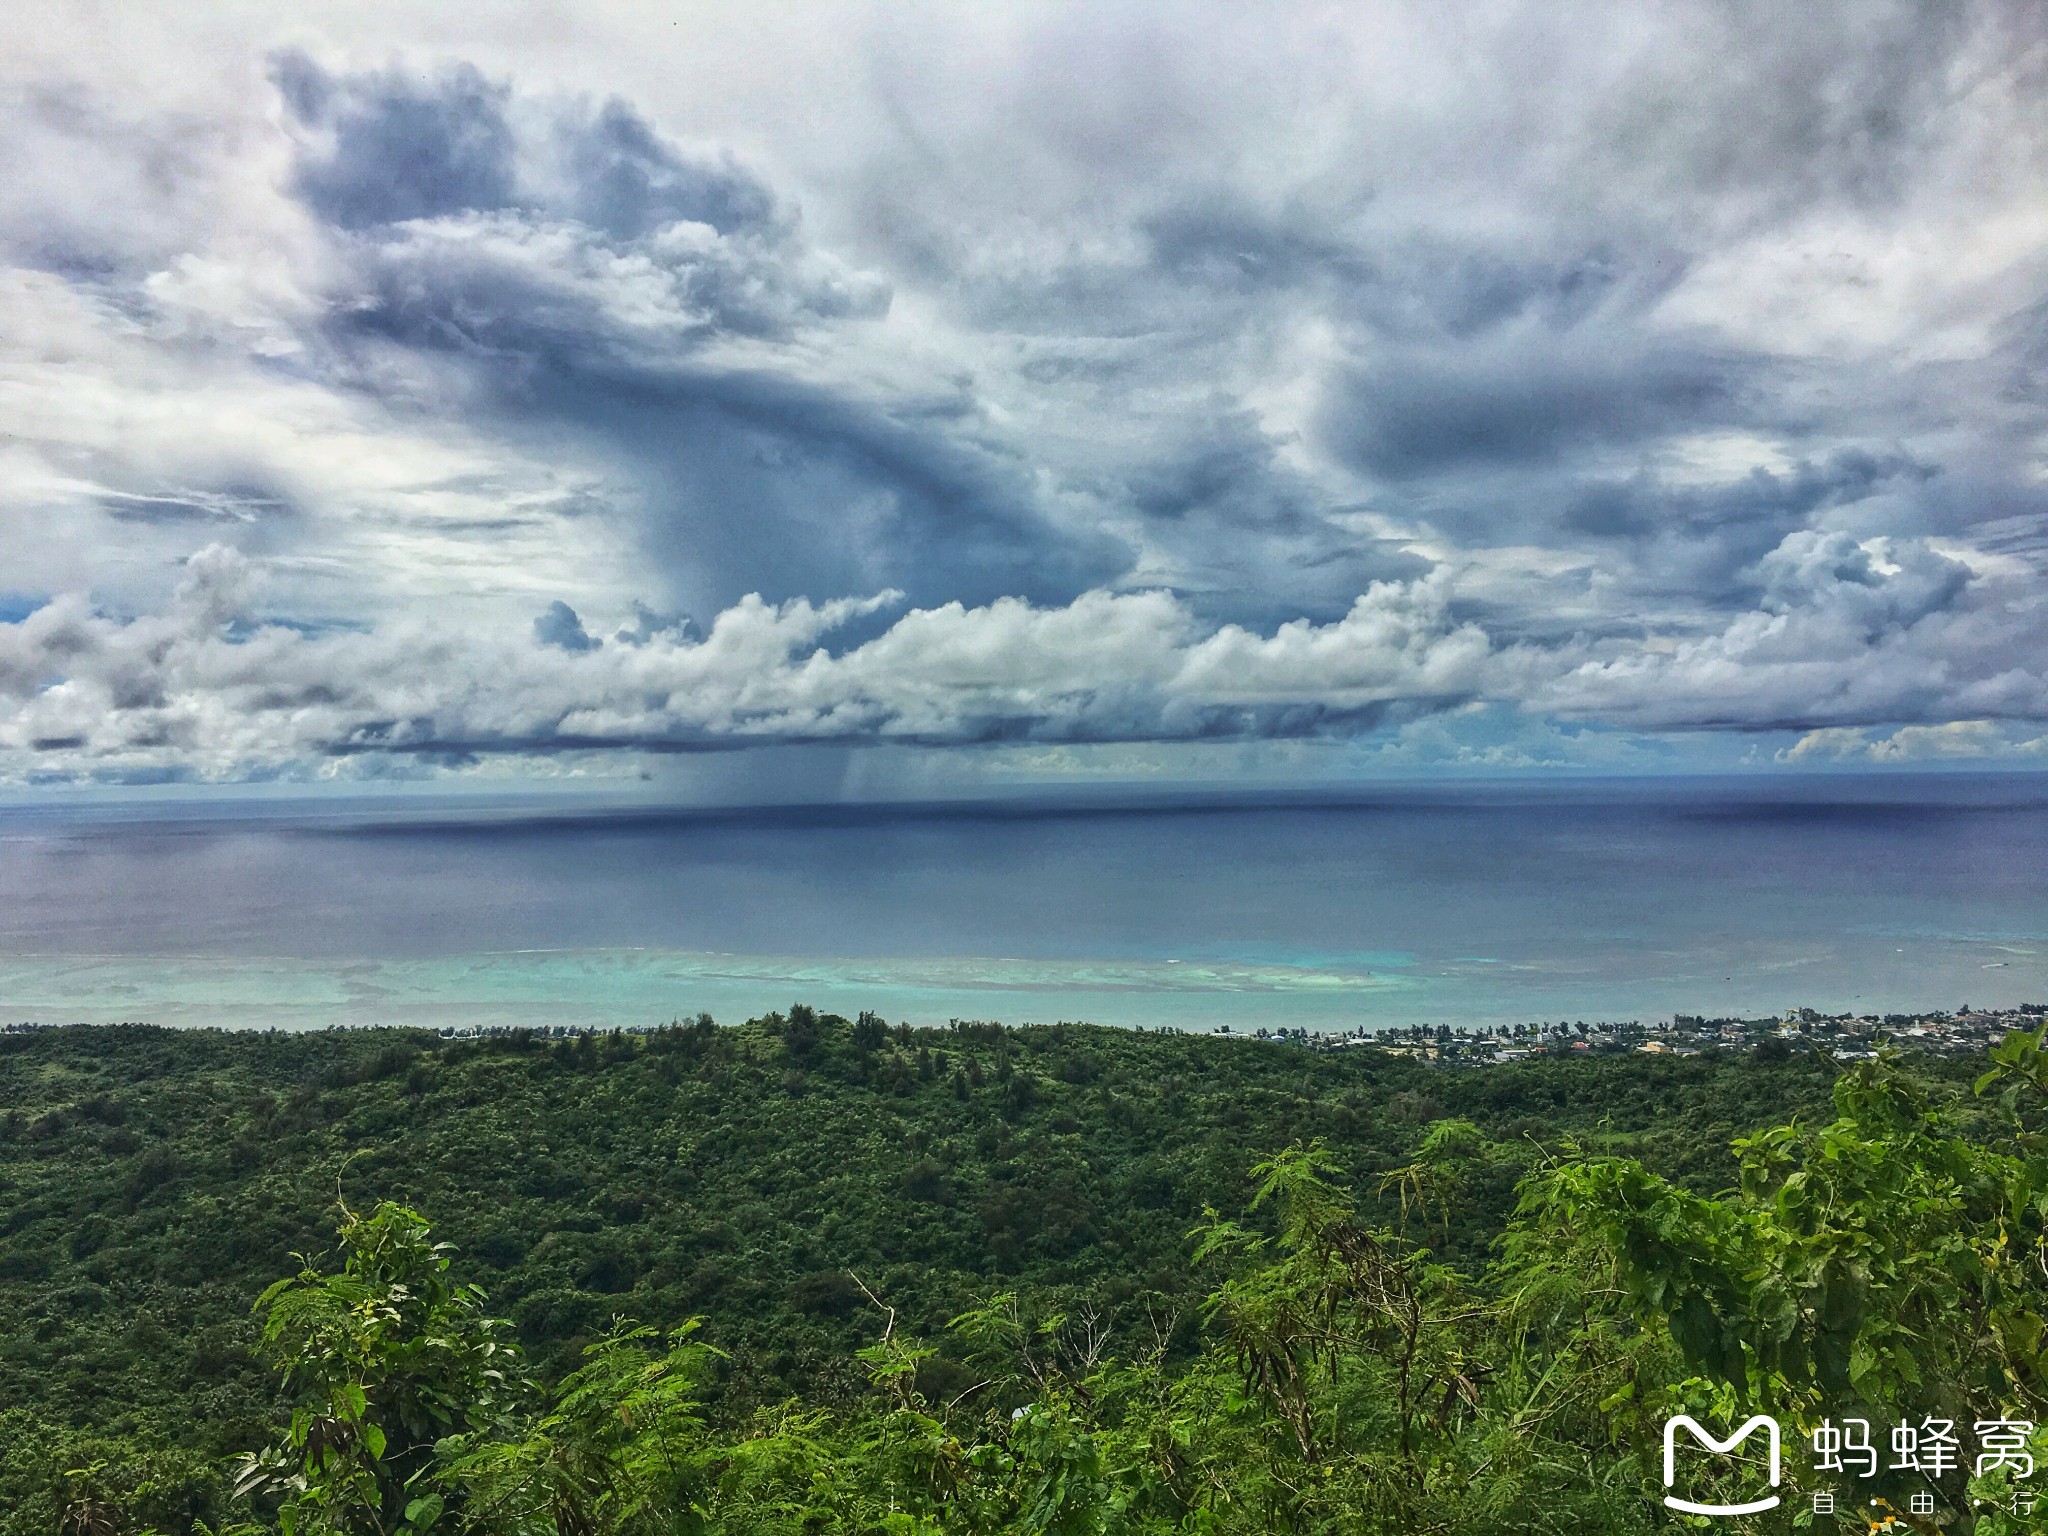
1800,1031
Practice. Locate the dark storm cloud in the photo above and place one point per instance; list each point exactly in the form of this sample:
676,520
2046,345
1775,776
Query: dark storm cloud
1226,463
1777,500
388,147
1126,381
392,146
562,628
1252,538
1529,395
617,175
558,230
1701,544
522,236
591,289
795,487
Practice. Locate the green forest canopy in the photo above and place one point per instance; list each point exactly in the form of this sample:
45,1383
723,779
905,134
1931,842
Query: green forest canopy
972,1279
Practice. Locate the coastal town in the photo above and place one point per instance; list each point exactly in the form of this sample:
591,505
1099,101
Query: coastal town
1843,1036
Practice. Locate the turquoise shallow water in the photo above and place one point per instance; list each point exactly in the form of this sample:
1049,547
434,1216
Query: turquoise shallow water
1471,905
607,987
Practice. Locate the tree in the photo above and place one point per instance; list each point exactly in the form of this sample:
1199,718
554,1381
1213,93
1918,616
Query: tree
869,1033
1882,1265
389,1356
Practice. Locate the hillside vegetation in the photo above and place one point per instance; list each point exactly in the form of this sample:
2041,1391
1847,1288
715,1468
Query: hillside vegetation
1055,1279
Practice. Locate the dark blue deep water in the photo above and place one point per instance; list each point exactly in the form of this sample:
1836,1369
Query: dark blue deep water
1464,903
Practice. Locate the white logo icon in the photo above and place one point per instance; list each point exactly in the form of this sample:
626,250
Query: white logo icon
1720,1448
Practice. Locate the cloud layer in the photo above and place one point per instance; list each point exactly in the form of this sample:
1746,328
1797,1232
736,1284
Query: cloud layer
1051,375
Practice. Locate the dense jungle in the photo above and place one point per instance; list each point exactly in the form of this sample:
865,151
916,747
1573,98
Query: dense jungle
819,1274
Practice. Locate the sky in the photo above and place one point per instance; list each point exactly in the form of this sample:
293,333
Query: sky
853,399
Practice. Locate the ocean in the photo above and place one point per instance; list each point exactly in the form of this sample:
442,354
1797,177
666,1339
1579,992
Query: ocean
1366,908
